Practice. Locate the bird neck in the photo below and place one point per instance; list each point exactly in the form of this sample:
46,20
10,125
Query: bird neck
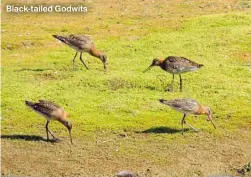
63,121
202,110
94,52
162,64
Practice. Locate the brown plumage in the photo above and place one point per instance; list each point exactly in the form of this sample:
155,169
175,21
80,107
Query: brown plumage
82,43
189,106
51,111
175,65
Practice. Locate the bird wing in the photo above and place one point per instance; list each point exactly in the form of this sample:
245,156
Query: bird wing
47,109
49,104
183,105
181,63
79,41
42,108
80,38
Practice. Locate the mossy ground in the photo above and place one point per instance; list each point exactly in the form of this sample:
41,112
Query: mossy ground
118,122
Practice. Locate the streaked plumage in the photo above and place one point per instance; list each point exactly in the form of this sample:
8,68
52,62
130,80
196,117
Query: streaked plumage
189,106
51,111
82,43
175,65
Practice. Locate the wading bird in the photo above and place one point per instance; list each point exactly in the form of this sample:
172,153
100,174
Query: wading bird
175,65
82,43
51,111
189,106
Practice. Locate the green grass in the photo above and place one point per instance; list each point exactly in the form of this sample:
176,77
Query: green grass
123,99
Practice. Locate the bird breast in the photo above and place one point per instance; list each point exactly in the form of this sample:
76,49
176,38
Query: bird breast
186,106
182,110
81,48
54,115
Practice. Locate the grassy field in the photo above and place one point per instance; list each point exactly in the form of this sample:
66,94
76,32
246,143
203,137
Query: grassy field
118,123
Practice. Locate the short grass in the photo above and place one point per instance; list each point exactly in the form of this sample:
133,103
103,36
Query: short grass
118,122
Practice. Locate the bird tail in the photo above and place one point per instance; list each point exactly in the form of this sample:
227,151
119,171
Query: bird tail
163,101
29,103
61,38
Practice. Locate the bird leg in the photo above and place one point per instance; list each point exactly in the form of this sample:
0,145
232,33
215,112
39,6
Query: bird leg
195,129
46,127
180,83
48,131
74,61
170,88
83,61
183,121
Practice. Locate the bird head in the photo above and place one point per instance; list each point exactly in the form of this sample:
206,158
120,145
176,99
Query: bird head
68,125
208,112
103,58
155,62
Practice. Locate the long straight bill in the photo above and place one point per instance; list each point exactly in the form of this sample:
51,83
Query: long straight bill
147,69
70,136
213,123
211,119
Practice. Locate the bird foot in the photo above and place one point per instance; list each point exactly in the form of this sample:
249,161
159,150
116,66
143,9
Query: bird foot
54,140
196,130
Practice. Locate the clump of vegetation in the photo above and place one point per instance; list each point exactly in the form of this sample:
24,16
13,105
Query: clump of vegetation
245,170
119,83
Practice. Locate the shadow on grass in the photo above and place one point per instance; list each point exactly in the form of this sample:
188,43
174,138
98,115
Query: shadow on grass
163,130
36,70
150,87
27,138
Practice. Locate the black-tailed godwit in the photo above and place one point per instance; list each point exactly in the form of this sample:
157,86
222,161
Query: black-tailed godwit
82,43
189,106
175,65
51,111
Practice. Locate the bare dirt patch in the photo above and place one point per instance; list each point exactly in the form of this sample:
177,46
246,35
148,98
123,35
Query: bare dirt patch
197,154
